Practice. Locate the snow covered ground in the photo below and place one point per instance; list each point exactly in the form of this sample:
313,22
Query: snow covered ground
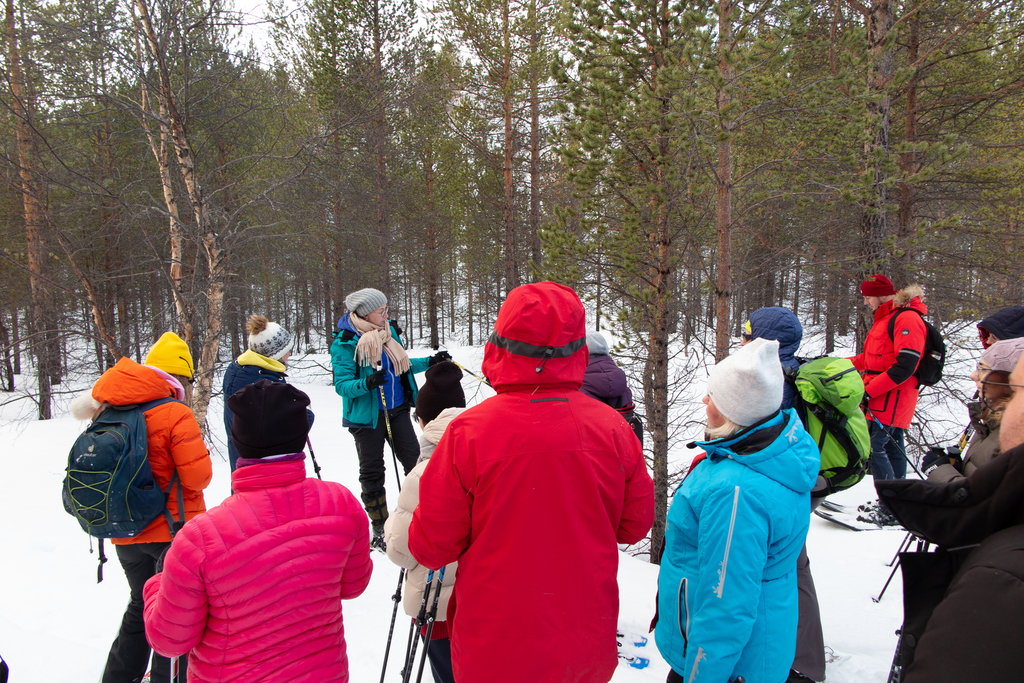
57,623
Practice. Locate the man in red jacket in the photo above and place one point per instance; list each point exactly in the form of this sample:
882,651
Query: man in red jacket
531,490
887,364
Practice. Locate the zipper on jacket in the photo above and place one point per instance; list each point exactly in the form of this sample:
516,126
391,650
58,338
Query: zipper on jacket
683,605
728,542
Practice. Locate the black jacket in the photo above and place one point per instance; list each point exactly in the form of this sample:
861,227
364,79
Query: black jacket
963,605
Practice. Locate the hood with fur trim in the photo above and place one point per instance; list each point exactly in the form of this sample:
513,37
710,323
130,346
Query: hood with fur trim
906,295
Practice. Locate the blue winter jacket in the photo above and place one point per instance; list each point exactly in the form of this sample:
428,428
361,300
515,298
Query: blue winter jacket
727,595
782,325
236,377
360,406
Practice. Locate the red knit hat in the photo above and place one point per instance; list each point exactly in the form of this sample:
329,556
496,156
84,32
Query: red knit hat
877,285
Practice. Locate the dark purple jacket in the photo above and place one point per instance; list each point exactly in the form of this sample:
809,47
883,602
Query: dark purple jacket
605,381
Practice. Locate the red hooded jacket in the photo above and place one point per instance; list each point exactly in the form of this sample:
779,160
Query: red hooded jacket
888,363
530,491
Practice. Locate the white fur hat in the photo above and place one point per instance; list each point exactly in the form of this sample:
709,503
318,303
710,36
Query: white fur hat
747,386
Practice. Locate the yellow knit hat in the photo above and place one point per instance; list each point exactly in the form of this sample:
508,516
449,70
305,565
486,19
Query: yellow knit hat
171,354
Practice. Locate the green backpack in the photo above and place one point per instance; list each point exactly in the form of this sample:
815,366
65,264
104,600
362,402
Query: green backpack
830,391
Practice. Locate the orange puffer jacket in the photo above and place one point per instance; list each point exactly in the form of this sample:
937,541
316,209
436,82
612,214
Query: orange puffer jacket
174,441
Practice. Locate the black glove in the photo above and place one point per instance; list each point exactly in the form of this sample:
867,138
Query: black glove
932,459
375,380
438,357
394,324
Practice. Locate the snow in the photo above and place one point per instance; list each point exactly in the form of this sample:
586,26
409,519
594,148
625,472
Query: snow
50,602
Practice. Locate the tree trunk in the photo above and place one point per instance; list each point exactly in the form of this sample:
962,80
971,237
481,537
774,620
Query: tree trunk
44,329
511,270
723,286
535,255
380,153
432,262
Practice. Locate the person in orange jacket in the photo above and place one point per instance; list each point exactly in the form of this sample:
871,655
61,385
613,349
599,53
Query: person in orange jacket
174,443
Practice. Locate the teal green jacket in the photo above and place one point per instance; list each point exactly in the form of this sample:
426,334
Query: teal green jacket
361,406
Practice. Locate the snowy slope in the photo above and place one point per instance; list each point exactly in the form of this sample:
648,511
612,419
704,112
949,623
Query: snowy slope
56,623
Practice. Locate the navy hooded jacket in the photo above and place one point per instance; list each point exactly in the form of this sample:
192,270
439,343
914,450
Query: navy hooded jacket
782,325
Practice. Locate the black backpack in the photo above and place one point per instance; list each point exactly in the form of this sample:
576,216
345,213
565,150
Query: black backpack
929,370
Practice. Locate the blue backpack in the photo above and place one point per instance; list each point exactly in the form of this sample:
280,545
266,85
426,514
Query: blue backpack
108,486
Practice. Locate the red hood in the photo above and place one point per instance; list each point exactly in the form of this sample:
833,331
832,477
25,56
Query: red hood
128,383
539,339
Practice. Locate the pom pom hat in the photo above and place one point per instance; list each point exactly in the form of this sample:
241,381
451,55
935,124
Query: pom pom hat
268,339
365,301
746,387
877,285
171,354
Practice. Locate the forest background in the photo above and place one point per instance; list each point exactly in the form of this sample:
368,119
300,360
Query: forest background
679,164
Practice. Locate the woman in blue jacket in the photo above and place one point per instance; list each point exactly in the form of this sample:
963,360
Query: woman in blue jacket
373,374
727,587
270,345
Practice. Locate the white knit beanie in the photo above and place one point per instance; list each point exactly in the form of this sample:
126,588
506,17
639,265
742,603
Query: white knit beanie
747,386
597,345
273,341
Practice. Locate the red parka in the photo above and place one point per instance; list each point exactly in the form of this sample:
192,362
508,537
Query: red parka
530,491
888,363
254,587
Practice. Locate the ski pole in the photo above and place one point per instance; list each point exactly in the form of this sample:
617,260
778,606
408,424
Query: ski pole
397,597
431,617
478,377
421,618
387,423
316,465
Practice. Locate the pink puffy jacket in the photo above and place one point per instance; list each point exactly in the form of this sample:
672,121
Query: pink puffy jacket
254,587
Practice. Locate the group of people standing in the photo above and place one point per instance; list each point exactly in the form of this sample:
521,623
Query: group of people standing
527,494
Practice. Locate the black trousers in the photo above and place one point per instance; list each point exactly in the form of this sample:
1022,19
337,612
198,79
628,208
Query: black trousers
370,447
129,654
440,654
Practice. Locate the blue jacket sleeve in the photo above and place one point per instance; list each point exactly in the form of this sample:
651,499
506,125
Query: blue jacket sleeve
732,552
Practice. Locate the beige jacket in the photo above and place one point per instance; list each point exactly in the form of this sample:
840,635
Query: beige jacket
396,528
984,446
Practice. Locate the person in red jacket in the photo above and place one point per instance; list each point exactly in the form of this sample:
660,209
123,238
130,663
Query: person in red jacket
530,491
253,588
173,444
887,365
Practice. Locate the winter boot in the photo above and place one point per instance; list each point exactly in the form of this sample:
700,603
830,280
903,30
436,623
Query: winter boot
876,513
376,506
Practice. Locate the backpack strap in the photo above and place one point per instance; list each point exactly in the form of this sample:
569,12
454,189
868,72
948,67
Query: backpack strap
175,526
837,428
891,328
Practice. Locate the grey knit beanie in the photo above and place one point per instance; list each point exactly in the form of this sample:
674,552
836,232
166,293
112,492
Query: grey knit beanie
597,345
746,387
365,301
1003,355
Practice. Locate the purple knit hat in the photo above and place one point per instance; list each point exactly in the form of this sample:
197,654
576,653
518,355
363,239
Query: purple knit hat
1003,355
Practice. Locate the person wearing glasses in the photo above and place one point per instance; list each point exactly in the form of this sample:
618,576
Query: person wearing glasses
963,606
991,377
374,377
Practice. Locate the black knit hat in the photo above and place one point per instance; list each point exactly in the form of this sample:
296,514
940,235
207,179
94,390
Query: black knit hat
270,419
1007,323
443,389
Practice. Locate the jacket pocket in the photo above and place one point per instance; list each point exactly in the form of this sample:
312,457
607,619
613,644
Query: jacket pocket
683,612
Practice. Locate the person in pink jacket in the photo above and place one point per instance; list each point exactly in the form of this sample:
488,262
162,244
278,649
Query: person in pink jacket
253,588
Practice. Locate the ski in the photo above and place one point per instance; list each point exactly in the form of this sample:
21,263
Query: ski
635,662
846,522
634,639
836,507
